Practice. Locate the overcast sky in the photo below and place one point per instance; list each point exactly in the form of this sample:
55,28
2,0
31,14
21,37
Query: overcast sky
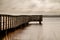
29,5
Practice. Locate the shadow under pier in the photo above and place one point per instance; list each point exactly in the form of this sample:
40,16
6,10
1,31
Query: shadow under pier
6,32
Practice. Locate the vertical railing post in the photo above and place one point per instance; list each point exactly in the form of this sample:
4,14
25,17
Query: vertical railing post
8,22
11,22
0,22
3,22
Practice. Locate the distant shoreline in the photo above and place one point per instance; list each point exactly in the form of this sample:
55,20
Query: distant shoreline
42,15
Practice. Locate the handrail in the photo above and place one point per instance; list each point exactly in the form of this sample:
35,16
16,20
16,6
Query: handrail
10,21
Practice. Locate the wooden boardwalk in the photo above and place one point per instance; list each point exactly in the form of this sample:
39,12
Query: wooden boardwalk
49,30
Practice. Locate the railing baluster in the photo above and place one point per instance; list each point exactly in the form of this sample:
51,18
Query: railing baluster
8,22
0,22
12,22
3,22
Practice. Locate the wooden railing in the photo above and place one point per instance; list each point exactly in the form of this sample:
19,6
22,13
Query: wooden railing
9,21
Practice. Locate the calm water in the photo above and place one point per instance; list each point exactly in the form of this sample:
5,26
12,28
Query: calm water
49,30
